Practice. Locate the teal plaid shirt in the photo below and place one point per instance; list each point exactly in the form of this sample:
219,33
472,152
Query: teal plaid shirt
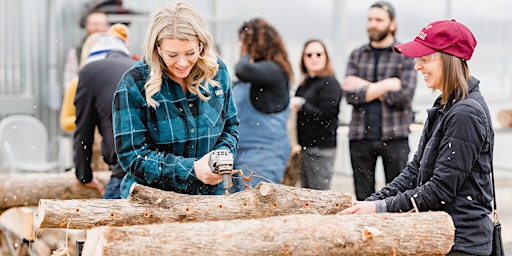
158,147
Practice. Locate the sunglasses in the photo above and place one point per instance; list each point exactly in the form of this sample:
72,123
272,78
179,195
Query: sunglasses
318,54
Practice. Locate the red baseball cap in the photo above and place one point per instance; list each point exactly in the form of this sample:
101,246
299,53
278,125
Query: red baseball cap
446,36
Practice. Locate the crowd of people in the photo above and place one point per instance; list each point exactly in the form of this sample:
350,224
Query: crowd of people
161,117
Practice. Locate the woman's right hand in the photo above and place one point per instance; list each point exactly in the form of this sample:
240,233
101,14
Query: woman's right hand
96,184
296,103
204,173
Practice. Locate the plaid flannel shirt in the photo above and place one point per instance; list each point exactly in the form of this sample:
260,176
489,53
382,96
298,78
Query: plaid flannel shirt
397,113
158,147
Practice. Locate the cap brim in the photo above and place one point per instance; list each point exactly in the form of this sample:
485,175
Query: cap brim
414,49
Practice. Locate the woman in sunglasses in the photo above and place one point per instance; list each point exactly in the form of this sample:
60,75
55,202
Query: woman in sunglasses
317,103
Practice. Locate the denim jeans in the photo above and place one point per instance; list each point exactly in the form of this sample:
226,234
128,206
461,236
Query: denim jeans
113,189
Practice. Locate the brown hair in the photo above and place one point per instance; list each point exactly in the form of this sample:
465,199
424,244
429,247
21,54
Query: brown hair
328,69
455,78
263,42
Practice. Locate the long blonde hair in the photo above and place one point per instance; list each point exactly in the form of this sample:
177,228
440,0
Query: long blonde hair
179,20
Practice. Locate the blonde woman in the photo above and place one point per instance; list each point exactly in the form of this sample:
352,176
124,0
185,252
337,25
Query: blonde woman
174,107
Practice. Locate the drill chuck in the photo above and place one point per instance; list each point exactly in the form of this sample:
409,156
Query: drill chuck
221,162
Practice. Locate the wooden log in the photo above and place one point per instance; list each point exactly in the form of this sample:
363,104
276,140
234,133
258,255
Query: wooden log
292,171
152,206
25,189
427,233
20,221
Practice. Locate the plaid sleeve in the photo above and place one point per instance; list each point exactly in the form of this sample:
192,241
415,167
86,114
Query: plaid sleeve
229,136
134,147
356,59
407,74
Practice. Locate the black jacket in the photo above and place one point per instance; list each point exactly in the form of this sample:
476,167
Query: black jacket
270,89
451,171
317,120
93,102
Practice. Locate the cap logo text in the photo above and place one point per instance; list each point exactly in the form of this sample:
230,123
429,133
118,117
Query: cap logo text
422,35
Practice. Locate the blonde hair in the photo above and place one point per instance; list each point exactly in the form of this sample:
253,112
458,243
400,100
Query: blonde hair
91,40
179,20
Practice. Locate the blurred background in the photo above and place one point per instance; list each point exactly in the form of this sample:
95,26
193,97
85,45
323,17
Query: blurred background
35,36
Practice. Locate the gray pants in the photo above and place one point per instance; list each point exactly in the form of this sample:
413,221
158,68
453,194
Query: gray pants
316,167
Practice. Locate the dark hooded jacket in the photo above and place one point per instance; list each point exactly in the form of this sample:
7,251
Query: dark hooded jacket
451,171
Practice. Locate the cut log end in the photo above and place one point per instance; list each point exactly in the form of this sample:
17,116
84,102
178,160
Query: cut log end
264,189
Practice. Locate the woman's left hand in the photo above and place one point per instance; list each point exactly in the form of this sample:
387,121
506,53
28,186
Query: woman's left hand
361,207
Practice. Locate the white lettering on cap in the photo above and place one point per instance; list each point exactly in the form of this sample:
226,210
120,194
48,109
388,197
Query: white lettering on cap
422,35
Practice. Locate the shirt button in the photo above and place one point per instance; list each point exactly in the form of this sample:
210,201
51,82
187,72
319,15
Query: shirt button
190,105
192,130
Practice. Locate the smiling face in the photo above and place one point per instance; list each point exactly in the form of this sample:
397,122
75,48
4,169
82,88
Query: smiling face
431,67
314,58
179,57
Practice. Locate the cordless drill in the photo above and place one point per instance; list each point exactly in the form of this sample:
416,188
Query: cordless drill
221,162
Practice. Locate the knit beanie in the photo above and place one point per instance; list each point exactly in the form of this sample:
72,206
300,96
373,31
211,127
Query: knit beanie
114,40
119,30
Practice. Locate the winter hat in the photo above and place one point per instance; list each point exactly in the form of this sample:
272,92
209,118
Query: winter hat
114,40
119,30
447,36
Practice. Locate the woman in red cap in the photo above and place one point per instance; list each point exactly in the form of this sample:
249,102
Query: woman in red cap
451,169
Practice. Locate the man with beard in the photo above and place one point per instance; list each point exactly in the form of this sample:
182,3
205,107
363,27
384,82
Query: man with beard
380,85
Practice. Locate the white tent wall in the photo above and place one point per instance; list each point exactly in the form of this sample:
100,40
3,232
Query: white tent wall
35,36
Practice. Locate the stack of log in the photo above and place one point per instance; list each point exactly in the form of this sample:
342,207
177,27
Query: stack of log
19,197
26,189
270,219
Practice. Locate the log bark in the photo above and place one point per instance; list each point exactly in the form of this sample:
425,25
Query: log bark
26,189
153,206
427,233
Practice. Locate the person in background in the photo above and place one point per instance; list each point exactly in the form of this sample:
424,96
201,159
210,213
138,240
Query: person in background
98,45
317,101
67,114
97,83
174,107
451,170
262,97
95,21
379,85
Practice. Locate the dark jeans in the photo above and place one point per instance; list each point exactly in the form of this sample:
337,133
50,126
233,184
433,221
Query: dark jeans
364,154
113,189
